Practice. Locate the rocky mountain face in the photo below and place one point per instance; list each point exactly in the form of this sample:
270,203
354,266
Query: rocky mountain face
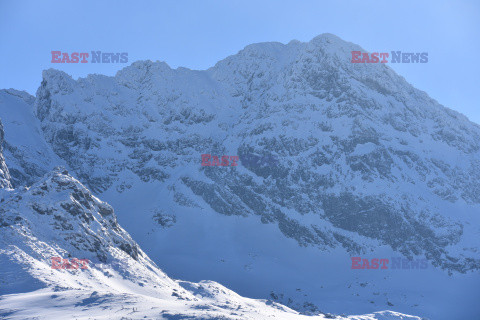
364,162
357,145
61,246
4,174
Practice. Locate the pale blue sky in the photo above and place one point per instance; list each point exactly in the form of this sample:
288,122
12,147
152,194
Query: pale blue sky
196,34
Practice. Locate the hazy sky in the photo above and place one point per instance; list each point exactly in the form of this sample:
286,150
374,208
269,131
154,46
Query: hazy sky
196,34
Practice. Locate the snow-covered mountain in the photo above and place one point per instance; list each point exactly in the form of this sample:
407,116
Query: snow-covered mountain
366,165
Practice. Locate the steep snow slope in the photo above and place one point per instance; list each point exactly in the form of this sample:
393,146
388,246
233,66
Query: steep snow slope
59,217
367,166
28,155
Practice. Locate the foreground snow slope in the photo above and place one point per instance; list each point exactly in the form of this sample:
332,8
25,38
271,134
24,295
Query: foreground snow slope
82,305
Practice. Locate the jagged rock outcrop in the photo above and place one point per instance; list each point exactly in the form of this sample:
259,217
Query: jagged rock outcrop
4,174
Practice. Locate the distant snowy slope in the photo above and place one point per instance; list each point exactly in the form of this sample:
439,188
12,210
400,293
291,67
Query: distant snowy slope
28,156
